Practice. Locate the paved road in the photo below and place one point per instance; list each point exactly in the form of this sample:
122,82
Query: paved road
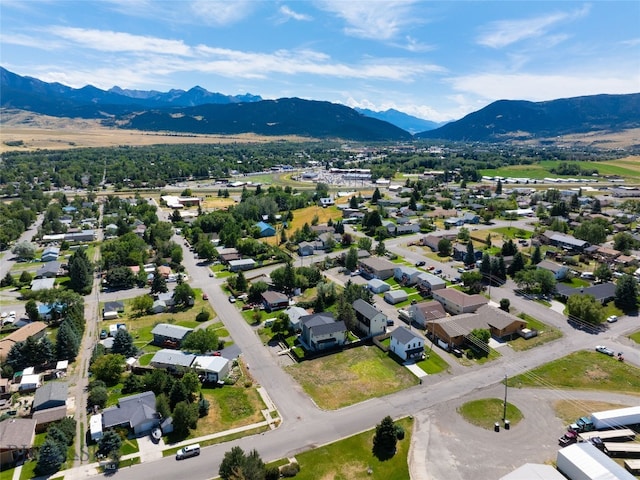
305,426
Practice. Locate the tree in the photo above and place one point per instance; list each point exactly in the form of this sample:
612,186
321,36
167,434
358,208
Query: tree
346,313
381,249
108,368
24,251
351,259
159,283
536,256
463,234
586,308
592,231
183,294
31,309
385,439
444,247
241,282
596,207
97,396
485,266
191,383
201,340
509,248
505,304
365,243
624,241
142,304
123,344
7,281
177,394
499,187
25,278
376,196
80,273
67,342
626,296
185,417
545,280
110,443
517,264
603,272
133,383
473,281
207,250
470,256
51,455
121,277
236,465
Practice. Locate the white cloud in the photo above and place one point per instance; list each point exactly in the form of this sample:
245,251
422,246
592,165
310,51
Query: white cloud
110,41
502,33
632,42
539,87
289,14
380,20
222,12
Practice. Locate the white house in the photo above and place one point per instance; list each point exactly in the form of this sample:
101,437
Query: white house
214,368
559,271
378,286
395,296
406,344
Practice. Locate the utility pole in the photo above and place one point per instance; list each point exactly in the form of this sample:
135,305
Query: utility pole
504,412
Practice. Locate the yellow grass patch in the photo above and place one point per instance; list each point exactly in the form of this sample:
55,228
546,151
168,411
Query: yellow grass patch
305,215
217,203
570,410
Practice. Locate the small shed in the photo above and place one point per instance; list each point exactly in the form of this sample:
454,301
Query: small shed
29,382
395,296
378,286
95,427
214,369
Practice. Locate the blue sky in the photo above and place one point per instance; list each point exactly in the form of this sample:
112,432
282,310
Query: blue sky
434,60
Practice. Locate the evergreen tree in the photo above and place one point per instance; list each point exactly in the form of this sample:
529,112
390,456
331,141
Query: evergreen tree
185,417
7,281
596,207
80,272
385,439
109,443
351,260
536,256
67,342
470,256
485,267
499,187
626,296
159,284
376,196
381,249
123,344
177,394
31,309
517,264
51,455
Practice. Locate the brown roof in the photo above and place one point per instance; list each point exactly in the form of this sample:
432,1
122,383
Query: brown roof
17,432
50,414
431,310
460,298
26,331
272,297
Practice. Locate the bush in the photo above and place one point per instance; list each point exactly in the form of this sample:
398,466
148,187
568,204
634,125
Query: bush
272,473
290,470
399,432
203,316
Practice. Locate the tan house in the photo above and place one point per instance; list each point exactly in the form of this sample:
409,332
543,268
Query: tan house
33,329
424,312
376,267
457,302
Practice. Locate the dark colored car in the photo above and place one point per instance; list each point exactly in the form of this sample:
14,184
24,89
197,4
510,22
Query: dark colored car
421,263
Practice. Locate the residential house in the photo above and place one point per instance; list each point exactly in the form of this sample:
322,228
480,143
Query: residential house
453,222
42,284
376,267
49,270
273,300
81,236
306,249
29,382
320,331
424,312
214,368
327,201
172,360
168,335
471,218
49,404
457,302
137,412
406,344
266,230
326,240
371,321
460,252
167,298
567,242
158,306
378,286
428,282
295,314
110,310
241,264
164,271
607,254
16,440
602,292
33,329
559,271
406,275
395,296
50,254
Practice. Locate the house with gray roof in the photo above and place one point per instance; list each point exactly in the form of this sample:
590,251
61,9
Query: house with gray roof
457,302
406,275
376,267
395,296
320,331
559,271
42,284
16,439
168,359
406,344
214,368
370,320
427,282
50,395
295,313
166,334
137,412
378,286
49,270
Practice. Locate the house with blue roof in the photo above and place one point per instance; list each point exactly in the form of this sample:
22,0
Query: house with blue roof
266,230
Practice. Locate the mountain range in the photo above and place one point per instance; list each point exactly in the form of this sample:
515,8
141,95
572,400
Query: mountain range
200,111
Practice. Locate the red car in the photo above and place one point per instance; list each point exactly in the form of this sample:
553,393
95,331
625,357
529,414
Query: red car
205,296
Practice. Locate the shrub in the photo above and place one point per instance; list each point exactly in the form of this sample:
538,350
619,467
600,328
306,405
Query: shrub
203,316
272,473
399,432
290,470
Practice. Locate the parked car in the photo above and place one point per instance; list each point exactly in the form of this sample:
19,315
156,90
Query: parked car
232,299
211,274
188,451
438,272
612,319
421,263
355,273
605,350
461,270
431,267
205,296
103,334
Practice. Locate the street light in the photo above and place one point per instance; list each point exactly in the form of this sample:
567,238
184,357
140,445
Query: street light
504,411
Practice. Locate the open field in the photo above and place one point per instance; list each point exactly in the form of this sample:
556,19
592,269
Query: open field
39,132
353,459
628,168
585,370
351,376
305,215
570,410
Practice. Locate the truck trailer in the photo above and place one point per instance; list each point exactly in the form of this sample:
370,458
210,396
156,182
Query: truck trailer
620,417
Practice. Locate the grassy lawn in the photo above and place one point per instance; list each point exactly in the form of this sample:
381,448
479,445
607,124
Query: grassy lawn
433,364
28,470
231,407
351,376
635,336
513,232
352,459
115,393
570,410
129,446
576,282
584,370
145,359
545,334
487,411
305,215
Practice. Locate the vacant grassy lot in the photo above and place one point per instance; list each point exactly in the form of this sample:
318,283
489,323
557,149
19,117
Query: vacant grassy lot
546,334
352,458
351,376
583,370
217,203
570,410
487,411
512,233
305,215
